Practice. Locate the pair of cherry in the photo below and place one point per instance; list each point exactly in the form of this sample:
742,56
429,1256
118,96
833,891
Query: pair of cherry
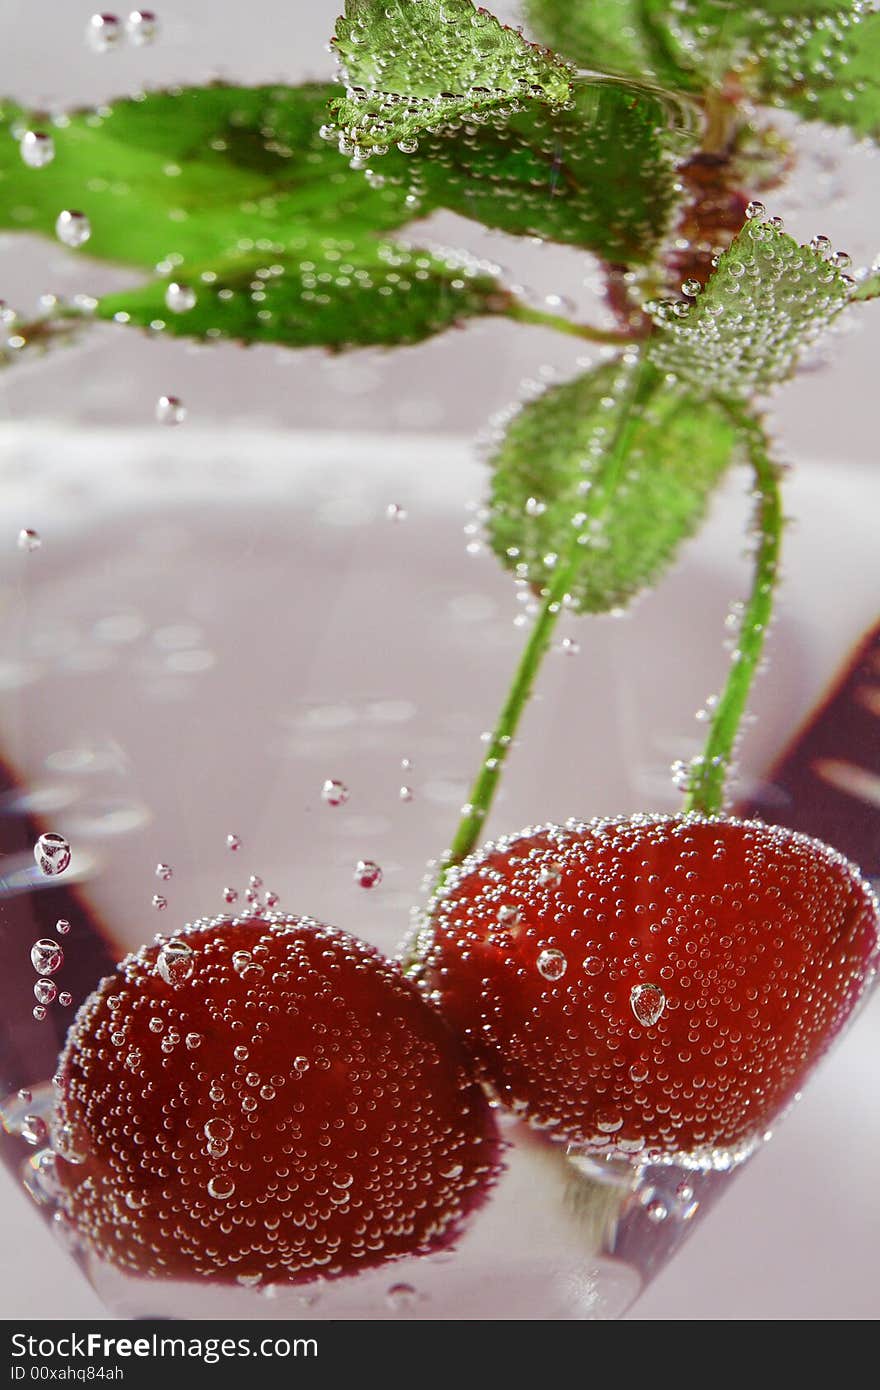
270,1099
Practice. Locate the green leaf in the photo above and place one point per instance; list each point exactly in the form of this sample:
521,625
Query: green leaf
234,193
599,174
763,307
835,76
331,293
566,485
615,36
196,175
417,65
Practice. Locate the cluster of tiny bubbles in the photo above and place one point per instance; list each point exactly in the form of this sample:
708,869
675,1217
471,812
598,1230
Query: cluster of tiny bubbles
334,792
105,32
52,853
47,958
767,301
367,873
29,539
37,149
179,298
170,410
72,228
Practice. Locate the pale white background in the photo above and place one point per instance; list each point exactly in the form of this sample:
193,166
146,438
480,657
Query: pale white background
798,1235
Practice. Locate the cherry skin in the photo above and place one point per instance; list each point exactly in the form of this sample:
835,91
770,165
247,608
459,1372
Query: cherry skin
266,1100
658,986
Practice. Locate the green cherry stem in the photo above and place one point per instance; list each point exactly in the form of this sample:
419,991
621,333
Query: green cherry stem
708,774
614,337
638,387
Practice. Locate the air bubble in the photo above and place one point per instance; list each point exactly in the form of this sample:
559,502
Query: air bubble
394,512
552,964
221,1187
164,871
47,957
52,854
65,999
34,1130
647,1003
142,27
103,32
37,149
334,792
179,298
233,843
230,895
45,991
401,1298
159,902
406,793
62,926
550,874
219,1131
755,210
28,539
170,410
39,1012
367,873
72,228
175,962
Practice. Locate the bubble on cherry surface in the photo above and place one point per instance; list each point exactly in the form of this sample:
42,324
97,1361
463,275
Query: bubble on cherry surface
221,1187
29,539
401,1298
45,990
175,962
52,854
179,298
62,926
104,32
47,956
218,1130
367,873
70,1142
142,27
170,410
34,1130
73,228
647,1003
37,149
334,792
552,964
164,872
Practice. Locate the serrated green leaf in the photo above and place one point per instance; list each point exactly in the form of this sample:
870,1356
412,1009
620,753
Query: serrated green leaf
234,193
558,456
766,303
332,293
834,77
614,36
599,174
417,65
196,175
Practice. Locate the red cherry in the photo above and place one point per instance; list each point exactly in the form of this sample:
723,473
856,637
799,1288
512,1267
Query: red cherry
657,985
266,1099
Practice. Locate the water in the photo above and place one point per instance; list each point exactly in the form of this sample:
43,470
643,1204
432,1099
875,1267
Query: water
227,618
